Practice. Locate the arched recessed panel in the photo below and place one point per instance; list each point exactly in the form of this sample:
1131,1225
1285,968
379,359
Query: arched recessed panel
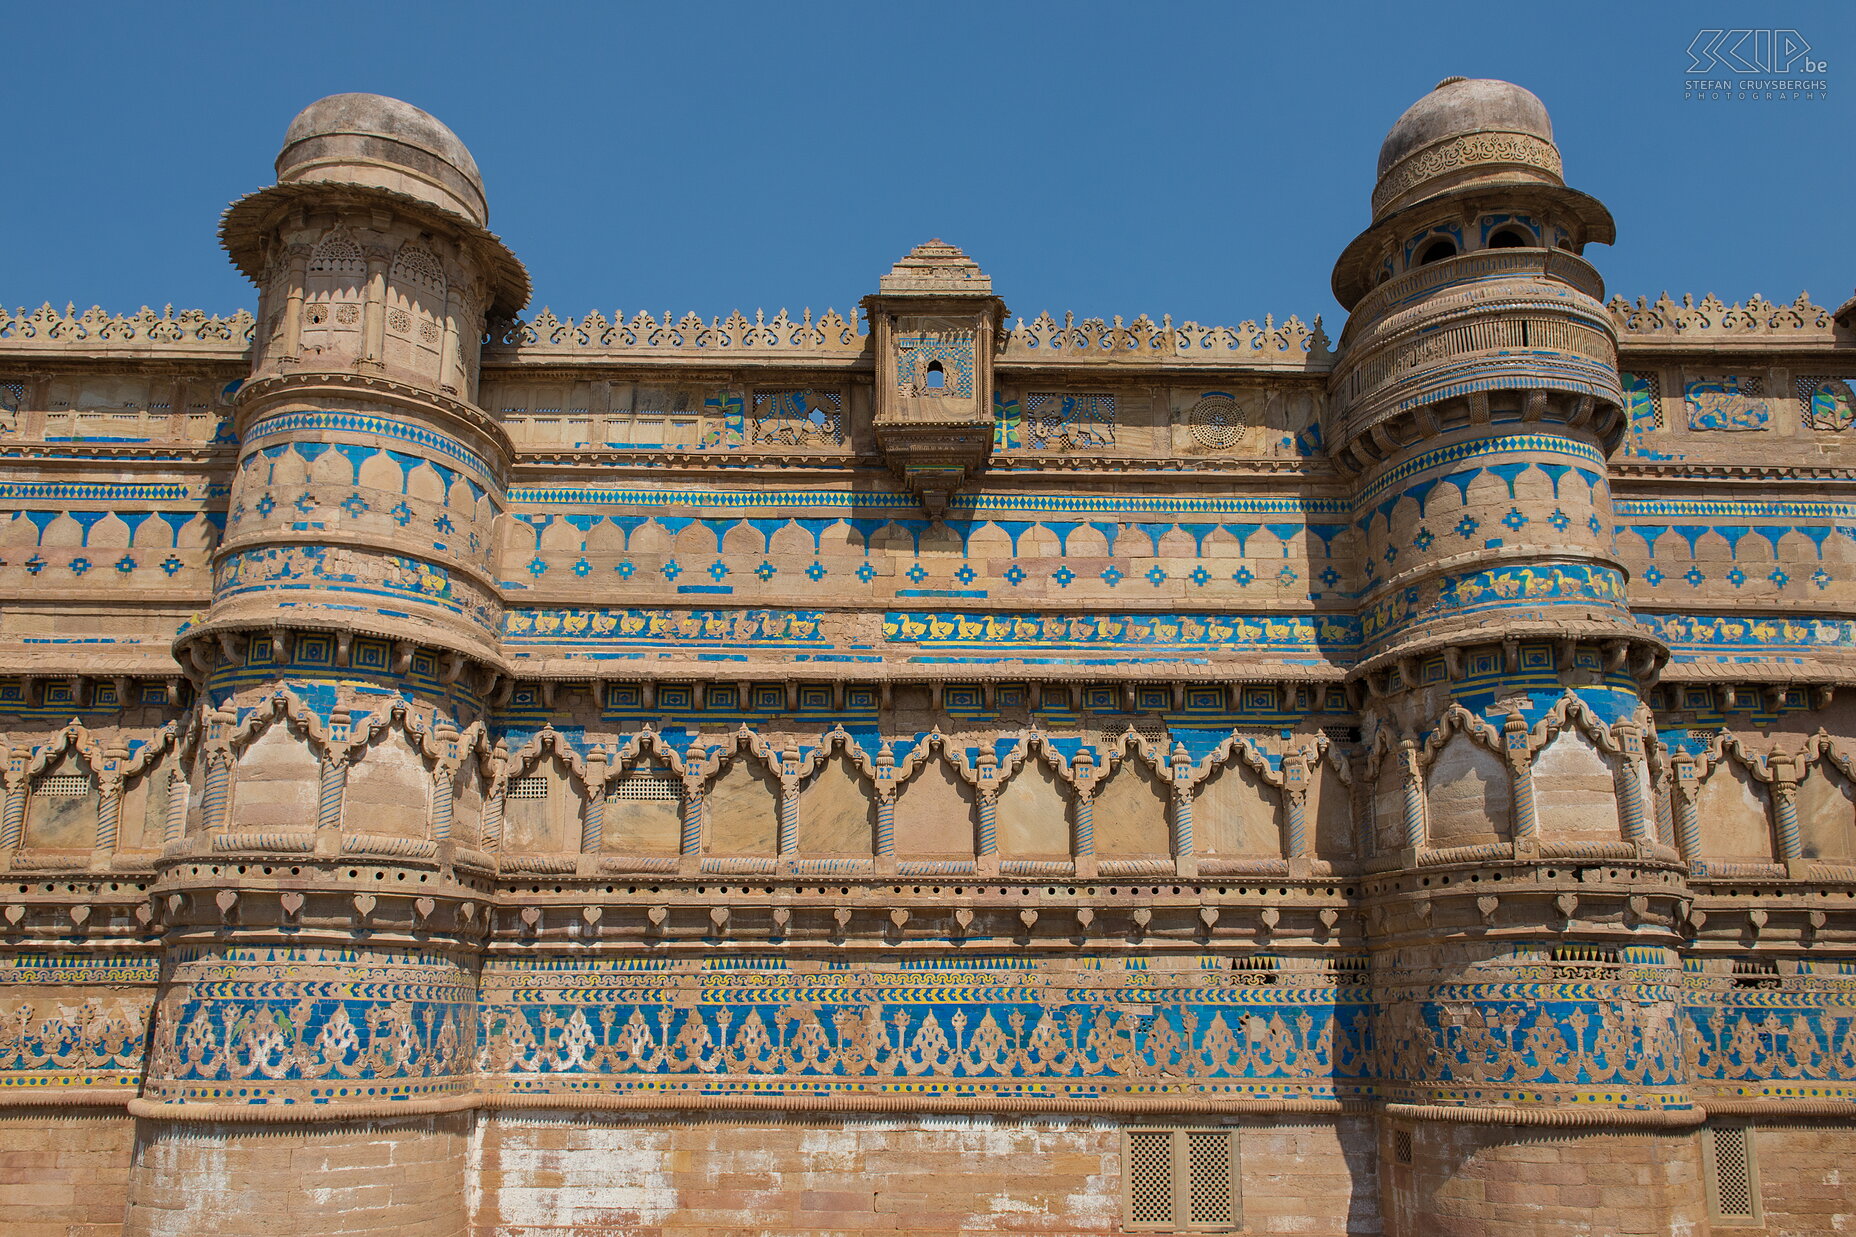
837,811
1826,813
1388,802
1468,795
1575,790
644,811
744,805
1034,814
278,783
1735,815
934,813
388,788
1235,814
1329,812
146,798
1131,813
542,809
61,811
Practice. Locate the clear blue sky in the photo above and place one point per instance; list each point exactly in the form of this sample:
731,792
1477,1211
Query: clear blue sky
1204,160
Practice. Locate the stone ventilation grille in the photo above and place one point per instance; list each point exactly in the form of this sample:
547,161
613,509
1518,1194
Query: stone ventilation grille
1401,1146
1181,1181
648,786
65,786
529,788
1733,1172
1150,1181
1208,1158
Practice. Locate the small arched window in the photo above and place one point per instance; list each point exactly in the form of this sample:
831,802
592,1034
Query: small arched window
937,377
1437,251
1507,238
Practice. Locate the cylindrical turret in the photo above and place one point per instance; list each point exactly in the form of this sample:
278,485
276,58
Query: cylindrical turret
368,479
1477,392
1474,404
337,764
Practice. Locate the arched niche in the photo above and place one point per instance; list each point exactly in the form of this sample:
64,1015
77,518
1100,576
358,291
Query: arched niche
332,293
278,783
1235,814
389,787
1575,790
837,810
543,808
1734,812
644,810
744,810
1131,817
1388,804
1033,813
61,805
1826,813
1329,811
934,812
147,797
1468,795
468,791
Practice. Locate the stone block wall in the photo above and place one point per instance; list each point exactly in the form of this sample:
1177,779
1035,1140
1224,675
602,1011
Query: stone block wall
581,1175
64,1172
381,1178
1457,1179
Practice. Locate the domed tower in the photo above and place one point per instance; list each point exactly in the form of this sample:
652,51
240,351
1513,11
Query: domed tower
368,477
319,994
1522,911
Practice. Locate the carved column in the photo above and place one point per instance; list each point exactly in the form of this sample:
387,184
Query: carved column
593,822
175,826
1414,795
218,783
374,308
292,341
443,803
1629,782
1295,806
1682,800
13,823
1526,827
1785,807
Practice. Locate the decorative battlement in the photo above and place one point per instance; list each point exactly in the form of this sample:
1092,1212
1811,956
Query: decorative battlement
191,329
1714,322
1290,345
831,335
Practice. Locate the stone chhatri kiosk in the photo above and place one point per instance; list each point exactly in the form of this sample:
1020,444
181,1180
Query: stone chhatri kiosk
928,771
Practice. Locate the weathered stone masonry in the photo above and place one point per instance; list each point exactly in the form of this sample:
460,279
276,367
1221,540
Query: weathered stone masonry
927,770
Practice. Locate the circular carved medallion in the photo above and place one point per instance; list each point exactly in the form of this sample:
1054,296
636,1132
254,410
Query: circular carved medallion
1218,423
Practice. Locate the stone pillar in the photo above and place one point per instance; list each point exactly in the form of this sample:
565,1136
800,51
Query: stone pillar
593,823
13,822
1682,794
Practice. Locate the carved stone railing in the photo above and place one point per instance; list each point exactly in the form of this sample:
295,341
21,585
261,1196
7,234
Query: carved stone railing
642,333
1288,345
1291,345
1712,321
94,330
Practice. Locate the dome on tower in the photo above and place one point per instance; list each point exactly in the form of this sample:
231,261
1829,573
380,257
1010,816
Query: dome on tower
1466,131
372,140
